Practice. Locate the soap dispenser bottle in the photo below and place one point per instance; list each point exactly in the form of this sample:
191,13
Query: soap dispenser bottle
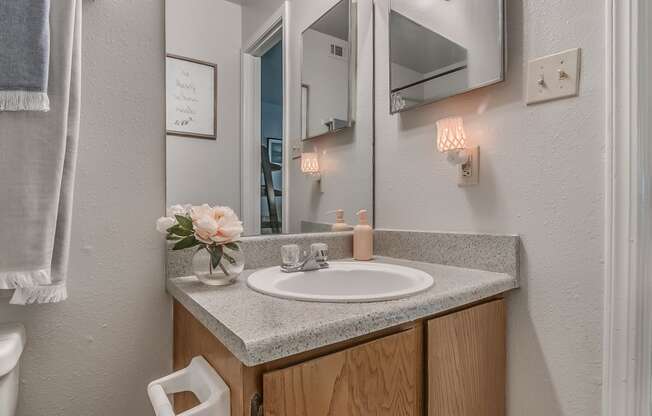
340,224
363,238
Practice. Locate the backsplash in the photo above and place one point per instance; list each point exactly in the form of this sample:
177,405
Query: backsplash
265,250
494,253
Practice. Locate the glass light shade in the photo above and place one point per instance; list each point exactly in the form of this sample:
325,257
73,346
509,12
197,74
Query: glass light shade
450,134
310,163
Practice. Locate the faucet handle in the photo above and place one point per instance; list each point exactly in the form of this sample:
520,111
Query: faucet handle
290,255
319,251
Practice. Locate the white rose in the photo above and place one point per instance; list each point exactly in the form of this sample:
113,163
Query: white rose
177,210
163,223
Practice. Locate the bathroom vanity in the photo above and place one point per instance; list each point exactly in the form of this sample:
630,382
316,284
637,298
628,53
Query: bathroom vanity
439,352
449,364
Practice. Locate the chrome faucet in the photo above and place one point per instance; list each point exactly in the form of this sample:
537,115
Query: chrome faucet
316,260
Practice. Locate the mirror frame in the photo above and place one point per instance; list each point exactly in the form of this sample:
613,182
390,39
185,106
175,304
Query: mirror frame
353,70
503,61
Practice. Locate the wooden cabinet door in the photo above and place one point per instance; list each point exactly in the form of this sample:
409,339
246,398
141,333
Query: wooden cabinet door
466,362
381,377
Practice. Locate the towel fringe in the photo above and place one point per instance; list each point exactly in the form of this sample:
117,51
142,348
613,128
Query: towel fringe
39,294
24,101
24,278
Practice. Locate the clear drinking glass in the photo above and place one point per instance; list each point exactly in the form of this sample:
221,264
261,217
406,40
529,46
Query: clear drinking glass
290,255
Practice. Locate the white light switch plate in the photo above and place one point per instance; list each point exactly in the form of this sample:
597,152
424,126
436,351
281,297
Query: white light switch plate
553,77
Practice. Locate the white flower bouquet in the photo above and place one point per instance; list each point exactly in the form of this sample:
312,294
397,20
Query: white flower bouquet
213,229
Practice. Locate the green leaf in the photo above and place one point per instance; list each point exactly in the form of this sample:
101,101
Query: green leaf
184,222
216,256
187,242
173,237
178,230
233,246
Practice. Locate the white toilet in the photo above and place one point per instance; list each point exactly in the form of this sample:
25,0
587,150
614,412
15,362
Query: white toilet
12,342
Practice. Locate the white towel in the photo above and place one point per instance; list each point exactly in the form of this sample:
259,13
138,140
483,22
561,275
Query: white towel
37,165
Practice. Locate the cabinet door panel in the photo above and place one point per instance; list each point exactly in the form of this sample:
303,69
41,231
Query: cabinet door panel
381,377
466,362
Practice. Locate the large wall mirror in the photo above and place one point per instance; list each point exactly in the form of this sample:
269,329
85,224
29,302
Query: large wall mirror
328,52
442,48
260,110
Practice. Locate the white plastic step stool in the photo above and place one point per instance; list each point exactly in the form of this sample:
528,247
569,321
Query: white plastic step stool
201,379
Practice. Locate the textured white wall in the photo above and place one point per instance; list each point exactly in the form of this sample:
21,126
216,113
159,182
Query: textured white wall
542,176
95,353
198,170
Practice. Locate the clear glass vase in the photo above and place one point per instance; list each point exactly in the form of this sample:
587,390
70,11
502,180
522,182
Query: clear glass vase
218,265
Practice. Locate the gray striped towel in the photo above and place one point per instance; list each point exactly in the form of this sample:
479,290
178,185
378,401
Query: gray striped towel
24,55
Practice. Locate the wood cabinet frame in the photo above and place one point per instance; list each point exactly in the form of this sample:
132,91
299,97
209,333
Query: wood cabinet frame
247,384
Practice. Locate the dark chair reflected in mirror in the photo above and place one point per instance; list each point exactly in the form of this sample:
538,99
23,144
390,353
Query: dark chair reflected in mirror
271,158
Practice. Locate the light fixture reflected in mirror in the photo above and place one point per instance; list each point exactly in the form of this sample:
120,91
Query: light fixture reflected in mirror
310,164
310,167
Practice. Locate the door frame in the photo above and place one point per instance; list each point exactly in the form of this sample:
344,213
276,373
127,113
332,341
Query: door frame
627,352
275,28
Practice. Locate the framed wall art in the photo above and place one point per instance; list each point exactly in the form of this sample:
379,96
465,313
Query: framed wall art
191,97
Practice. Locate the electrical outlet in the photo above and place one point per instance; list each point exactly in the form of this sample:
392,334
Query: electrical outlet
469,172
553,77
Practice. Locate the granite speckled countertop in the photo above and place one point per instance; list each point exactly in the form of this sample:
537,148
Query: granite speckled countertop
257,328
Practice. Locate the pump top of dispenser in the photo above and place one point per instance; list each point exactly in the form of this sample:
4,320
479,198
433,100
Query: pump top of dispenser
363,218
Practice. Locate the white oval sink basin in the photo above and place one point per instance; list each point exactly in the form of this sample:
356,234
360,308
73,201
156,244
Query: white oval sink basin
342,282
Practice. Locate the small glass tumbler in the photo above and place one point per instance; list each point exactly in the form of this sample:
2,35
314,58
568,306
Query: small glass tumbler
290,255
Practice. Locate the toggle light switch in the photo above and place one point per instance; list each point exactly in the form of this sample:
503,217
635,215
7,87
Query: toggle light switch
553,77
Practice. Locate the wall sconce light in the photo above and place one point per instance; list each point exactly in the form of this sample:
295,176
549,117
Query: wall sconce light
310,166
451,140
